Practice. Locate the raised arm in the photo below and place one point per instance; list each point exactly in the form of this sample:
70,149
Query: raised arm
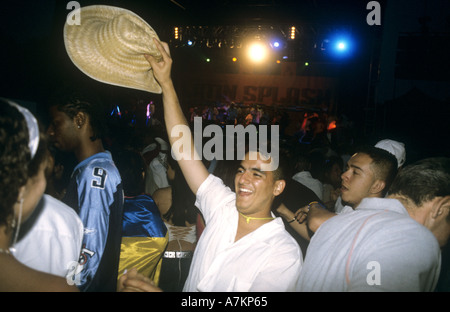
180,136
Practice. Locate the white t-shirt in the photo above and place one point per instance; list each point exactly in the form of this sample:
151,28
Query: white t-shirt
268,259
53,243
377,247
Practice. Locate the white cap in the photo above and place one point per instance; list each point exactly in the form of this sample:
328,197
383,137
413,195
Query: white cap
164,145
149,148
395,148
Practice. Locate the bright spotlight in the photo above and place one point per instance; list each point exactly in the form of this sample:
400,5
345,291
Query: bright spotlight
257,52
190,43
341,45
276,44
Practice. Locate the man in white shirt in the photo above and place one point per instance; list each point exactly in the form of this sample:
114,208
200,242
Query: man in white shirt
243,247
386,244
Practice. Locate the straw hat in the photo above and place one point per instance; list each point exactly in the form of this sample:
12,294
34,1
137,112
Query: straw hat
109,46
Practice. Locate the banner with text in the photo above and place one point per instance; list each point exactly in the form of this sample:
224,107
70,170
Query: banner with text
270,90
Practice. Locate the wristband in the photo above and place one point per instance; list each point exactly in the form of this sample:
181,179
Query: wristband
315,202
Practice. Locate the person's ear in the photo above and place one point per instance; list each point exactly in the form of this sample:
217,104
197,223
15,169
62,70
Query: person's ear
80,120
440,208
377,187
279,187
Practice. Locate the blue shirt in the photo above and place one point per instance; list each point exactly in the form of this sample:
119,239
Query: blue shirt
95,192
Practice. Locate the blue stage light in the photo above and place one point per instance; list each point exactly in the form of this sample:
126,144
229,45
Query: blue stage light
341,46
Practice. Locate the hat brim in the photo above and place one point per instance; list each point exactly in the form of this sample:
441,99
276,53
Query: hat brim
109,46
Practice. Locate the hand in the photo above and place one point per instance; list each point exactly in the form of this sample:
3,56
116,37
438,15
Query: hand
161,67
132,281
314,214
301,215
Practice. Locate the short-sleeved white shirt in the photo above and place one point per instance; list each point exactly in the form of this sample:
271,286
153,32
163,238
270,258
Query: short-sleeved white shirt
53,244
377,247
268,259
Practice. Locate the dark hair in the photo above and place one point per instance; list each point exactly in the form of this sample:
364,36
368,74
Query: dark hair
423,180
16,165
71,102
131,166
263,147
384,164
183,207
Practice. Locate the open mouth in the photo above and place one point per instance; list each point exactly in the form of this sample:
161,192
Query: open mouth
244,191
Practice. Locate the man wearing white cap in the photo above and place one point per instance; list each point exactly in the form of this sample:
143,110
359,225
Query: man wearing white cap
394,147
156,172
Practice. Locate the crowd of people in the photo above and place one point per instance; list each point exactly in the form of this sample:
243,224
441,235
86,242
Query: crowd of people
130,215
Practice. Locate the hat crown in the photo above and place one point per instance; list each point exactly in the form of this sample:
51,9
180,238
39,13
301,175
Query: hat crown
109,46
130,31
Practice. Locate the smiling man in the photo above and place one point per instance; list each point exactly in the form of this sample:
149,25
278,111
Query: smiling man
243,247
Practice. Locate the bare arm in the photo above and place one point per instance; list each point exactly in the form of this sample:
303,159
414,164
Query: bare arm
180,137
289,216
313,214
17,277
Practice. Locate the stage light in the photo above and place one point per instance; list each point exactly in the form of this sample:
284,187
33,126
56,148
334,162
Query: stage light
234,59
190,43
175,33
341,45
257,52
208,60
338,45
292,33
306,64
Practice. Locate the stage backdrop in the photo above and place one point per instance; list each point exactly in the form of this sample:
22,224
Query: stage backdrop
285,89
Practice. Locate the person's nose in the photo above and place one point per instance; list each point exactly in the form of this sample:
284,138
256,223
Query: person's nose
344,175
244,177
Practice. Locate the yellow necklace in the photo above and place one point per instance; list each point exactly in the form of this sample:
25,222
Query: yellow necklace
247,218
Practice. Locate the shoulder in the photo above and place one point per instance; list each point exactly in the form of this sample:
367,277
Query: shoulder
58,216
101,167
163,198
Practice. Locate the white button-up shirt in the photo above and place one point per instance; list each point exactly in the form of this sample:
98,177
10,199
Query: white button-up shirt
377,247
267,259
